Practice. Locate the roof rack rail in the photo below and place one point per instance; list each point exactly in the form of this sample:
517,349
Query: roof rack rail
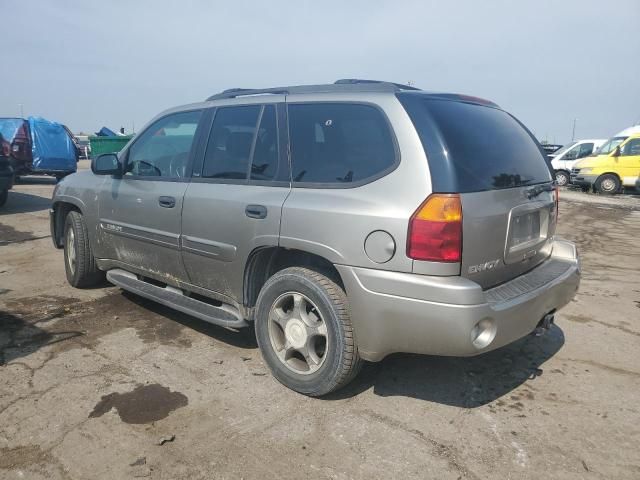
240,92
342,85
356,81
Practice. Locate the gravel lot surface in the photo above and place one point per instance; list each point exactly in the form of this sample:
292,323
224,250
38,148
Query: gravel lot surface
100,384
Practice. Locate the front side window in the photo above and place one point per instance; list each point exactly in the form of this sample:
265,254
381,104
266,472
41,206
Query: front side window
162,150
572,154
632,147
585,150
338,143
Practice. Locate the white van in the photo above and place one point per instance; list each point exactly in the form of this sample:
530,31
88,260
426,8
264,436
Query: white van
564,158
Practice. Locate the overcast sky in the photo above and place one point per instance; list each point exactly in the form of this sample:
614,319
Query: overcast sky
116,63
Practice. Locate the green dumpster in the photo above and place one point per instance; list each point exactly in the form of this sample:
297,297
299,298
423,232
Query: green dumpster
100,145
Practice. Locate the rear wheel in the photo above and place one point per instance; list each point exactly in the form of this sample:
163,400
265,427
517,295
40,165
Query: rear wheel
608,184
304,332
562,178
80,265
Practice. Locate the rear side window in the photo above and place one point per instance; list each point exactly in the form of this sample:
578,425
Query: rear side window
474,147
339,143
230,141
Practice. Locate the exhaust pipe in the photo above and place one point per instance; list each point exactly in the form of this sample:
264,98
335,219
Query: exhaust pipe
544,325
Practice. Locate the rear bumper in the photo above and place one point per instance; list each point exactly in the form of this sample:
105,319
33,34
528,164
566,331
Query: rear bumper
399,312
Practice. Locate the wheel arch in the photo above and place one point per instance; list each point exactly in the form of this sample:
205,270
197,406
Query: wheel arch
60,210
263,262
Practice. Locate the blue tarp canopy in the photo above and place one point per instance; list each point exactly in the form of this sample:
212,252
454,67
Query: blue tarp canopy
51,146
9,127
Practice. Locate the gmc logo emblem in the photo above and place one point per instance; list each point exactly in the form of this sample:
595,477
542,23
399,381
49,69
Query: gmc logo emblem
484,266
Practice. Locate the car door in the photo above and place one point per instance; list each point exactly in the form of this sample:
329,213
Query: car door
629,163
234,201
139,213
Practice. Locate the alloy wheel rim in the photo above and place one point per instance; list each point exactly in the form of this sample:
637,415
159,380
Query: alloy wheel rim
71,250
298,333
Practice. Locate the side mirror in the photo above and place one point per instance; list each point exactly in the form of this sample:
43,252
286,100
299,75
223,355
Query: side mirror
616,152
106,164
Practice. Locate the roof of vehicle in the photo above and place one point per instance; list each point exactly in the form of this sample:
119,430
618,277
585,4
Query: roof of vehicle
346,85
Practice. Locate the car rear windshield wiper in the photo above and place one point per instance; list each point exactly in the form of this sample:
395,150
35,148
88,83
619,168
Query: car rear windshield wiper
538,189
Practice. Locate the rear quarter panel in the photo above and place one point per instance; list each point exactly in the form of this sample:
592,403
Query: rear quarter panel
335,222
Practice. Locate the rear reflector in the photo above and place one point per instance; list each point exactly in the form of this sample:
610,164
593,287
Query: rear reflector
435,230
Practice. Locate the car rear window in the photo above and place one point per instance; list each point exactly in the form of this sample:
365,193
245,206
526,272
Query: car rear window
472,147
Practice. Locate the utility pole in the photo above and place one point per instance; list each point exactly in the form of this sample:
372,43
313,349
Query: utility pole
21,111
573,133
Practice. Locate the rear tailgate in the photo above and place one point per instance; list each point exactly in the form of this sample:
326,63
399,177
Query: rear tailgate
487,156
505,233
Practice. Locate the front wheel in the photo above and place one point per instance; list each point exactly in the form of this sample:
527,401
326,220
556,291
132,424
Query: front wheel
305,333
608,184
79,262
562,178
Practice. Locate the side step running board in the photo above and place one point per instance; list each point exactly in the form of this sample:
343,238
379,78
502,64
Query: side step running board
224,315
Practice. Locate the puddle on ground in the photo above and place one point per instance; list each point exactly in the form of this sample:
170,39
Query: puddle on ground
8,235
145,404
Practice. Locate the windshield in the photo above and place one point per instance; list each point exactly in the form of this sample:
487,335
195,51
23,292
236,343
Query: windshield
610,145
559,153
472,148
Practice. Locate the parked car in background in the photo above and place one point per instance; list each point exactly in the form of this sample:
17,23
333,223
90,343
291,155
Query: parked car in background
609,173
346,221
39,146
566,157
550,149
617,139
82,141
6,172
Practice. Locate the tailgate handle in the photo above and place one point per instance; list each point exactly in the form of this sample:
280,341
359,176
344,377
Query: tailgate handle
256,211
167,202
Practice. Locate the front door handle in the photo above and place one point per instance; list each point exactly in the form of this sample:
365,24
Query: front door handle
256,211
167,202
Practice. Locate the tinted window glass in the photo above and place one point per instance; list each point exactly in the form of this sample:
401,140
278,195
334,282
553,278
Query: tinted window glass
162,150
474,147
338,143
230,141
264,164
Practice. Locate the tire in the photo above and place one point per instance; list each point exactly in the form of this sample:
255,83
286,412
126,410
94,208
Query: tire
562,178
4,194
608,184
333,361
79,262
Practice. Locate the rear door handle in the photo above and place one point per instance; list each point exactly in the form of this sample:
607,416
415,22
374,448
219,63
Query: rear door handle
167,202
256,211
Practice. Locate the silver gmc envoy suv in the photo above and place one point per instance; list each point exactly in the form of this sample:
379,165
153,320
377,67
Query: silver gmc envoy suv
344,221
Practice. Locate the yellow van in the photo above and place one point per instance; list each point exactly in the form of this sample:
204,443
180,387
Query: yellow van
608,173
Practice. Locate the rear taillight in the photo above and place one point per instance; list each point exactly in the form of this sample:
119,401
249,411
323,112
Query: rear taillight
435,229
